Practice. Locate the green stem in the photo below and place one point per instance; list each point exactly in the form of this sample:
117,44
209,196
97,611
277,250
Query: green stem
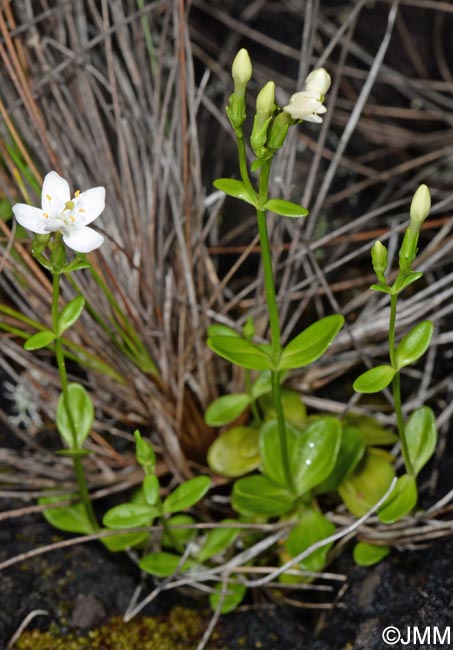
396,386
274,323
243,161
79,471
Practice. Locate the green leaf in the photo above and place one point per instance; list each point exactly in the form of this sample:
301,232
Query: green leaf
71,519
293,408
117,543
365,554
39,340
235,188
270,450
222,330
69,314
81,415
312,527
367,484
383,288
262,385
258,495
241,352
404,281
310,344
316,453
217,540
129,515
414,344
233,596
374,380
226,409
285,208
235,452
151,489
421,437
401,500
179,536
352,448
371,431
162,564
187,494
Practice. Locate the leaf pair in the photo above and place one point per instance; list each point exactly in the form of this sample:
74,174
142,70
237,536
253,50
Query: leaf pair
238,190
66,318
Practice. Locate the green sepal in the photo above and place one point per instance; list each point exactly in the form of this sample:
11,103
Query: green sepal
285,208
414,344
421,437
401,501
233,596
226,409
374,380
241,352
236,189
81,416
365,554
187,494
311,344
259,496
69,314
40,340
235,452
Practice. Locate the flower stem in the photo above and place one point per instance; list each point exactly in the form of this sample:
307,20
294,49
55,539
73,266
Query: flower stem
274,323
79,471
396,386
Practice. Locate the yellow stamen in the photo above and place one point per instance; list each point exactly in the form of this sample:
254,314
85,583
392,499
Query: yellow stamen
48,197
72,218
46,215
81,210
69,205
77,193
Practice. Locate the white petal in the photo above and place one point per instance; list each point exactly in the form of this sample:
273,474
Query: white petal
83,239
312,118
55,194
31,218
89,205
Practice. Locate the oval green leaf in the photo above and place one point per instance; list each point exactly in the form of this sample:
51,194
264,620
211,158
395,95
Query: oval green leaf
187,494
367,484
259,496
39,340
162,564
129,515
222,330
312,527
234,188
374,380
117,543
226,409
371,431
414,344
81,416
365,554
71,518
352,449
233,595
293,408
285,208
217,540
69,314
235,452
421,437
180,529
270,450
241,352
262,385
311,344
401,501
316,453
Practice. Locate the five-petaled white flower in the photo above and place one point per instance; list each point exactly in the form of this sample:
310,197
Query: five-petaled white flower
308,104
61,213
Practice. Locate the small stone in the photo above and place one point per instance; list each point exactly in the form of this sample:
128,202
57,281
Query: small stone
88,612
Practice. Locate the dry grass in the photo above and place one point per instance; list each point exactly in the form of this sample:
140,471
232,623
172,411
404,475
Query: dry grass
129,95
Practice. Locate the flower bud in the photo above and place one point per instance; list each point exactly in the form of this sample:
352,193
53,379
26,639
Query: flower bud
379,258
420,206
242,68
265,102
318,81
278,131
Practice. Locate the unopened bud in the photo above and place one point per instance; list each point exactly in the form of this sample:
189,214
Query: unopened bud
278,131
379,258
420,206
242,68
318,81
265,102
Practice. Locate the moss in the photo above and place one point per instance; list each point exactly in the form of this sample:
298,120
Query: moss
180,630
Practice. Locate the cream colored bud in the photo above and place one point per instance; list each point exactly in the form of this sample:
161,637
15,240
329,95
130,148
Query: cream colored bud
420,206
318,81
266,99
242,67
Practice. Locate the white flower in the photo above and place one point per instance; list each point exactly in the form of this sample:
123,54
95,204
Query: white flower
308,104
61,213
